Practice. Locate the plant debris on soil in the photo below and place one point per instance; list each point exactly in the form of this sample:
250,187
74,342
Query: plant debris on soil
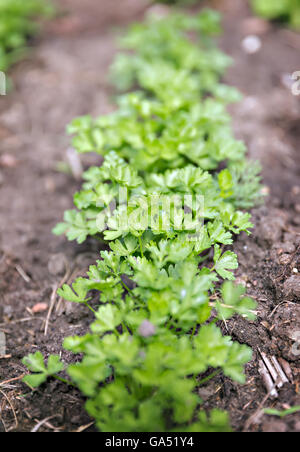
66,76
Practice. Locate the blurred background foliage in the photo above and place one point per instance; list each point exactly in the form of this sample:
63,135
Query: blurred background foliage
283,10
17,25
18,21
286,11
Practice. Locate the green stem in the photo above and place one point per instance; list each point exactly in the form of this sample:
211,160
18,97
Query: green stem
63,380
89,307
193,332
210,377
141,246
127,288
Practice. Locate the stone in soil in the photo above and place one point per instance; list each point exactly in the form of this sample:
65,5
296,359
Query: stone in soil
291,288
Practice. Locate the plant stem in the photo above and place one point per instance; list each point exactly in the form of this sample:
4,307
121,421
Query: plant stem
63,380
127,288
193,332
141,246
210,377
90,307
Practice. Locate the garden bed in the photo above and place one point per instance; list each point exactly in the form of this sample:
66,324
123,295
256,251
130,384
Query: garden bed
66,76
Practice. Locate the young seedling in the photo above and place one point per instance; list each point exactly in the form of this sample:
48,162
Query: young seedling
282,414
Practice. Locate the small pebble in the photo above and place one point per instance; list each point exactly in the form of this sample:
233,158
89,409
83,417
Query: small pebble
39,307
287,81
296,190
292,286
8,161
251,44
255,26
288,247
284,259
57,264
265,191
50,184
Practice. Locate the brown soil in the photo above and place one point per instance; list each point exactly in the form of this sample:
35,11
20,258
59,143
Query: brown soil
66,76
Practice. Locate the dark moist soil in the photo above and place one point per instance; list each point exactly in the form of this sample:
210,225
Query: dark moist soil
66,76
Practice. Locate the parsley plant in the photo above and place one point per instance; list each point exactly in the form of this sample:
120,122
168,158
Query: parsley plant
162,288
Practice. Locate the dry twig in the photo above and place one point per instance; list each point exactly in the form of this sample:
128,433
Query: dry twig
11,406
41,423
22,273
52,303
